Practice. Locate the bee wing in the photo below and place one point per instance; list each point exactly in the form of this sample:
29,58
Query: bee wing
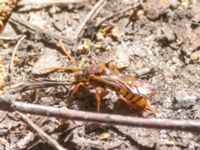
134,85
137,86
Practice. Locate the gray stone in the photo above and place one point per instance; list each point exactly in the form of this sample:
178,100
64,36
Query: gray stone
185,100
49,58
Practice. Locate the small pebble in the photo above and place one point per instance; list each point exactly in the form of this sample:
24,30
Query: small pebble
185,100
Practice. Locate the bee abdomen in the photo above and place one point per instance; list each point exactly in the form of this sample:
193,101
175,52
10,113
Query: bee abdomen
123,92
135,100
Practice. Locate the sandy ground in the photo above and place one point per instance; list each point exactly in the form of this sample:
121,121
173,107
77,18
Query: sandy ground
158,41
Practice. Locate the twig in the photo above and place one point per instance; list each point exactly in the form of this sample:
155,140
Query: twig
44,34
11,66
115,14
91,15
7,103
8,38
31,84
32,5
53,143
49,2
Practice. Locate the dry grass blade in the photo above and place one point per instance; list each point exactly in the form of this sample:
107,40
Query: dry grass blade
32,5
91,15
115,14
8,38
31,84
11,66
49,2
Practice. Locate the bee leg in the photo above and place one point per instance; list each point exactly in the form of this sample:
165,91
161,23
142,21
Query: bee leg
130,105
81,64
54,68
67,53
125,100
75,89
99,91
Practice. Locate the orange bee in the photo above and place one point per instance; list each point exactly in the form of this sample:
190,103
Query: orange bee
134,92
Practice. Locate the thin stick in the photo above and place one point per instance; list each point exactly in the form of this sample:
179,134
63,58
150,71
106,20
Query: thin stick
32,5
49,2
53,143
6,103
115,14
10,38
11,66
91,15
44,34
